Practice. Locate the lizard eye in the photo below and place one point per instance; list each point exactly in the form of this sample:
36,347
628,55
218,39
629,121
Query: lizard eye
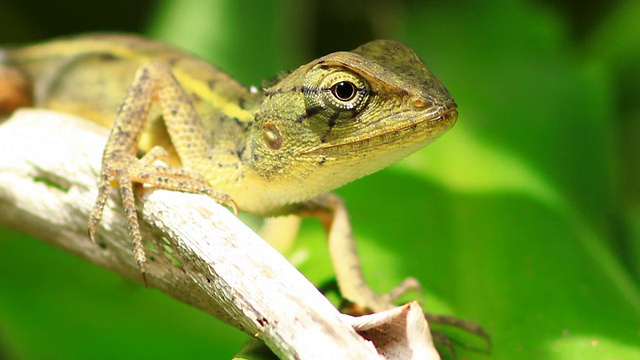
344,90
335,92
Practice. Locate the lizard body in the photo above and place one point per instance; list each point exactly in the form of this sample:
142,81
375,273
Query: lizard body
88,76
273,151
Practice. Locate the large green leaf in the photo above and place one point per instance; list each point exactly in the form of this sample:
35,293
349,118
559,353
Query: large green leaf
507,219
510,220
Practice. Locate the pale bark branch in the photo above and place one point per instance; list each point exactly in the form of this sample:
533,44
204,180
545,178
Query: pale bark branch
198,252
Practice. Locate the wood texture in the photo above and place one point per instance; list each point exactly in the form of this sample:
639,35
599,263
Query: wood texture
198,251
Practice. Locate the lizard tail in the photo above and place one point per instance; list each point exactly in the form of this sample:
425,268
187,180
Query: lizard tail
15,88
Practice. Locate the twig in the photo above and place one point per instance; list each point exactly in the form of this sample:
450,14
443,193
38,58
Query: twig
198,252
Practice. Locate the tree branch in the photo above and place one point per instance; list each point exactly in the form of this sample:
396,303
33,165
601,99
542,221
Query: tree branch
198,252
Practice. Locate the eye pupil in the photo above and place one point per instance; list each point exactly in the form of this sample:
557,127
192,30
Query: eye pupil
344,90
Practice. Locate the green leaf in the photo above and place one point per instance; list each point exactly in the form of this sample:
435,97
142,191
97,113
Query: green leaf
506,220
511,220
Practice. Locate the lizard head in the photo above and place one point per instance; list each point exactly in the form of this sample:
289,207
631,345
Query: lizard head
346,115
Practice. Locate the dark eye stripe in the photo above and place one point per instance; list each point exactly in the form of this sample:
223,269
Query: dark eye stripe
313,110
333,119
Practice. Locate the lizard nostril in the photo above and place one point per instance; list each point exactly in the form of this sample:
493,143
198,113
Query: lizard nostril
420,104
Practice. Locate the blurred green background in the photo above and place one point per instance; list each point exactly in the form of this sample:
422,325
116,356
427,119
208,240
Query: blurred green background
524,218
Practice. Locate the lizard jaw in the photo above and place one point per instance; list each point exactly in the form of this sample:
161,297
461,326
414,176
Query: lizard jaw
436,124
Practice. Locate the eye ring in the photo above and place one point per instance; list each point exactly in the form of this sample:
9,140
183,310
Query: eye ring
337,89
344,90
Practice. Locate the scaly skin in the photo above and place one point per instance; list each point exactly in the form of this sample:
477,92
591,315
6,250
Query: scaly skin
269,150
274,151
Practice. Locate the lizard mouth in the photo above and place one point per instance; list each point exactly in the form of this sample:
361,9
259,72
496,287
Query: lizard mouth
440,121
425,129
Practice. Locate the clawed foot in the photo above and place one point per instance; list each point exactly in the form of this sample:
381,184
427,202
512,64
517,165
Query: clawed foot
441,321
123,170
464,325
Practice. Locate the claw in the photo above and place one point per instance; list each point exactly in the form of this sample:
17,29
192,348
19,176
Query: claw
441,338
462,324
232,204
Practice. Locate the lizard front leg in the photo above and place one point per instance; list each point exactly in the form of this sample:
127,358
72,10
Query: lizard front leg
330,209
153,83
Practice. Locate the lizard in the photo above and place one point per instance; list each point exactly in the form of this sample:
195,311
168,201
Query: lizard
273,151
